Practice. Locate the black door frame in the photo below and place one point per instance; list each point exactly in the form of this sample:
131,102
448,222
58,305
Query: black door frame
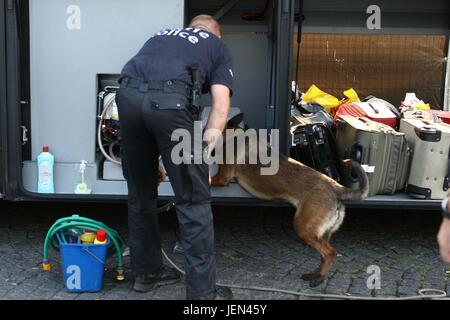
284,34
3,136
11,108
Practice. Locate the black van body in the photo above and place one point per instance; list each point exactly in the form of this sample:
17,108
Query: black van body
320,16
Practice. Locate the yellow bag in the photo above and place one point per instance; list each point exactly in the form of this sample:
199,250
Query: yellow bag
329,102
351,95
425,106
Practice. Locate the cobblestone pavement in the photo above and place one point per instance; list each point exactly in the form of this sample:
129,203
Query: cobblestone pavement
254,246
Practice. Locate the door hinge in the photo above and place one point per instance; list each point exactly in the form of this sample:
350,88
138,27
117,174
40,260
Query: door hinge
24,135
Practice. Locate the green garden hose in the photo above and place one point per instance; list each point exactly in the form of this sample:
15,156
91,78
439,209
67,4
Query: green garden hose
88,224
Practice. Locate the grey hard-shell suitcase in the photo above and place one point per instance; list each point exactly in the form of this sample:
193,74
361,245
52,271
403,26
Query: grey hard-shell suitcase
430,166
421,114
383,153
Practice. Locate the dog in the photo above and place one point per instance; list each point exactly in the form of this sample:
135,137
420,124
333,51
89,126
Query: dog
316,197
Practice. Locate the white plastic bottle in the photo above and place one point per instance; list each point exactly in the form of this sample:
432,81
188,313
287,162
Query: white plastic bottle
45,162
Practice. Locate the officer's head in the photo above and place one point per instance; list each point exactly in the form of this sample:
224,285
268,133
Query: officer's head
207,23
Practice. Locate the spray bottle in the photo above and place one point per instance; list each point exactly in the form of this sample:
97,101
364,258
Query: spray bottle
82,186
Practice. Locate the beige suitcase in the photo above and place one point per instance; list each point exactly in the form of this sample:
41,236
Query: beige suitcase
383,153
430,166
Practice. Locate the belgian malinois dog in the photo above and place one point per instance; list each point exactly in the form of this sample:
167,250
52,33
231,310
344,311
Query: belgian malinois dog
317,198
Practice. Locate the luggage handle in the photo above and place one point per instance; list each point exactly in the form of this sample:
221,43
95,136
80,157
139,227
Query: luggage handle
363,120
428,133
369,123
428,122
375,109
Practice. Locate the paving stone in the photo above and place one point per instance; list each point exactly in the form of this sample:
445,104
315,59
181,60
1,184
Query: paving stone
254,247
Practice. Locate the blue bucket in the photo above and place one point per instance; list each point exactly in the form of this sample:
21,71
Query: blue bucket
83,266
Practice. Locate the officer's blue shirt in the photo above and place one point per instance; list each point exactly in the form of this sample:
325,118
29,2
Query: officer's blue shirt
169,54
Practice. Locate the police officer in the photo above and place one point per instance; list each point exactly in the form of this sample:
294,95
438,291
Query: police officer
154,99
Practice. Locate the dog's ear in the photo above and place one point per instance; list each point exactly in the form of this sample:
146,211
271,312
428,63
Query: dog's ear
234,122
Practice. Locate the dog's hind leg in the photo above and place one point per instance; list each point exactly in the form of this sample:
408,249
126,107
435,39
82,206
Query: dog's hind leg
310,231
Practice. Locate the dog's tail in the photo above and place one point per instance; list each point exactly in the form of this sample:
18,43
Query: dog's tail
363,190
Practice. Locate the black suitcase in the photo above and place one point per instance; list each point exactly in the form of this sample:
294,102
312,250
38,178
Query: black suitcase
313,145
316,113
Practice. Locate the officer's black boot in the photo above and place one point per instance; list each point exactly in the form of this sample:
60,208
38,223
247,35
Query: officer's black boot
221,293
148,282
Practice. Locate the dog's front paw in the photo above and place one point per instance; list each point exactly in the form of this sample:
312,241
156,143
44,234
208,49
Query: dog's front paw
218,181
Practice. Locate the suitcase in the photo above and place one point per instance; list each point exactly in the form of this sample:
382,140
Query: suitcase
372,109
444,116
314,112
421,115
383,153
430,166
349,109
313,145
390,106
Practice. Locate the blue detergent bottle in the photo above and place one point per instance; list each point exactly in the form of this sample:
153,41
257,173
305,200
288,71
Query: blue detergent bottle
45,162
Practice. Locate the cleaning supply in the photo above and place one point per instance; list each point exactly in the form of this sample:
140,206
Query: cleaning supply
83,223
100,237
45,162
73,235
82,265
87,237
82,186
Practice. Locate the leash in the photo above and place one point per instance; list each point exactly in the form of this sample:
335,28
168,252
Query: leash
427,293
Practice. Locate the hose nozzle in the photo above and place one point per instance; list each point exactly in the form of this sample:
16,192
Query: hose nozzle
46,266
120,274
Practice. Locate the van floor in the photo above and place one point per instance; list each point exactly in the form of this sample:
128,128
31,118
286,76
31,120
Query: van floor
254,246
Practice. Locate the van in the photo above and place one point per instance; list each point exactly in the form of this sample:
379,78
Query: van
61,59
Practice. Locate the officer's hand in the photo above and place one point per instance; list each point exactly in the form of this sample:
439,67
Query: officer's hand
161,174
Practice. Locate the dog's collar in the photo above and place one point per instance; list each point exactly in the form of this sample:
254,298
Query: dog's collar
445,211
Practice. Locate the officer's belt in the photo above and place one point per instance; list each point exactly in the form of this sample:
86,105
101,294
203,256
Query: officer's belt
169,86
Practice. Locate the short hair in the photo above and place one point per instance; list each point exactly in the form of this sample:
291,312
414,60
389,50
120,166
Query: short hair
207,22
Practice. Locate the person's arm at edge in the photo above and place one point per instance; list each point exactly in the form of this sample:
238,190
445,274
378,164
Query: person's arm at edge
443,236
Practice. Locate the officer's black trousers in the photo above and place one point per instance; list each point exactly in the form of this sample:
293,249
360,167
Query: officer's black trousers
146,132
